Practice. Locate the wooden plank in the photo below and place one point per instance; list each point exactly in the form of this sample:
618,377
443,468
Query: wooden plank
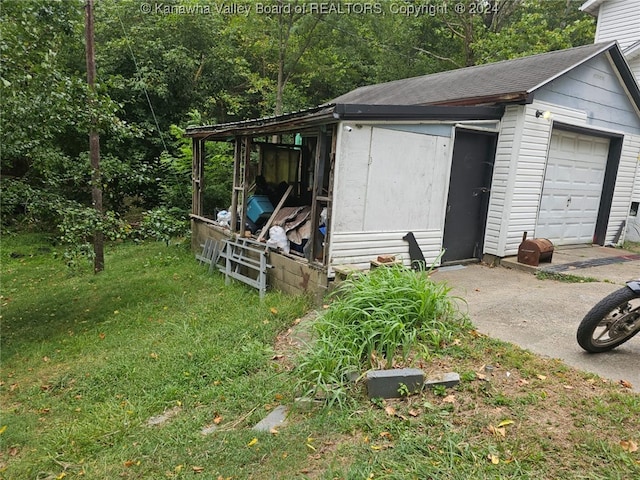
275,212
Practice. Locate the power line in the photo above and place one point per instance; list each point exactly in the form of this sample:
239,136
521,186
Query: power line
144,88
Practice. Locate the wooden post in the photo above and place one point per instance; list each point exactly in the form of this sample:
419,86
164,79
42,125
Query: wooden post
197,176
94,138
237,158
317,198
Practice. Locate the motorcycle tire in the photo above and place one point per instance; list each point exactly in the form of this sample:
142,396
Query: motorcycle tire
611,322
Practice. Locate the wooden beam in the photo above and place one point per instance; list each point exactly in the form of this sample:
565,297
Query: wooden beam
237,153
275,212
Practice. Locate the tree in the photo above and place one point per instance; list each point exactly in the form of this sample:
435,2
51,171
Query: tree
94,138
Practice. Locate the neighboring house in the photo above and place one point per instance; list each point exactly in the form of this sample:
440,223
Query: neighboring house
620,20
468,160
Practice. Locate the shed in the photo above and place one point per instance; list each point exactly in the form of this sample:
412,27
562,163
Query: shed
467,160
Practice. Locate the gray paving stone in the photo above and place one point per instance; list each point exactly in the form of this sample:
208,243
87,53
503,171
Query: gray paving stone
275,419
448,380
386,383
208,430
164,417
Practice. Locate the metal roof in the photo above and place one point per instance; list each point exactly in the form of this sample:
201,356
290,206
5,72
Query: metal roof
313,117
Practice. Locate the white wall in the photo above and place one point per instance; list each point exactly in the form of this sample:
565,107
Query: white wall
619,20
387,182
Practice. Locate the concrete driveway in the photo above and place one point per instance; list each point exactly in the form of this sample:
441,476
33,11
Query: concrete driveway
542,316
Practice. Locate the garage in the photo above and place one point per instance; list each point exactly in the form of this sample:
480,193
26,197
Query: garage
572,188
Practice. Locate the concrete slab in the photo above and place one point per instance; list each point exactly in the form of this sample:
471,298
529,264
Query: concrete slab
448,380
164,417
276,418
617,265
543,315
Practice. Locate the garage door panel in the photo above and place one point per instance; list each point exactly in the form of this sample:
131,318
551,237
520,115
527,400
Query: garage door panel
572,188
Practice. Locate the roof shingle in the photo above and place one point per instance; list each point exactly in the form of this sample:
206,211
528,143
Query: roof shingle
476,85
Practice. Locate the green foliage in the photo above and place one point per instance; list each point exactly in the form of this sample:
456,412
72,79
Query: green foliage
156,70
550,25
163,224
176,187
378,319
78,227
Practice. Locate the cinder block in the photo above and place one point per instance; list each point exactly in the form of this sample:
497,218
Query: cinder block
385,383
448,380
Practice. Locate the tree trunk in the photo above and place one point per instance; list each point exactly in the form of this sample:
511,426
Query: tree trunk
94,139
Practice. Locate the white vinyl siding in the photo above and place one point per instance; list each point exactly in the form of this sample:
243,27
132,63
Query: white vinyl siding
596,90
359,248
502,181
619,20
518,178
622,195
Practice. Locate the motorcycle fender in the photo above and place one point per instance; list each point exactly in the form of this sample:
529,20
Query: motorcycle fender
635,286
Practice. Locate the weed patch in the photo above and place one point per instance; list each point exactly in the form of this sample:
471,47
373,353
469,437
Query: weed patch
564,277
379,320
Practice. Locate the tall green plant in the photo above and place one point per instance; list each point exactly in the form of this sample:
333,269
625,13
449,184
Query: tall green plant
382,318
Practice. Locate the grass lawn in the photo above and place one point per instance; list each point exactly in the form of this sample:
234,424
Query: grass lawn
88,360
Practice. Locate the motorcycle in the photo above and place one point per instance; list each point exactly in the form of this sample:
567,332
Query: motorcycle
612,321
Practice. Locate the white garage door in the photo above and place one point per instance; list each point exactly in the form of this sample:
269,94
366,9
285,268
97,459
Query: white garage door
572,188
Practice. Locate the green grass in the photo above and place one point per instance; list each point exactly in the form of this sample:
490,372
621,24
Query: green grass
391,317
88,359
564,277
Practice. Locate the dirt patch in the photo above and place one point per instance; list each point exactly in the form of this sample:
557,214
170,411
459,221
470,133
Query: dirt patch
291,342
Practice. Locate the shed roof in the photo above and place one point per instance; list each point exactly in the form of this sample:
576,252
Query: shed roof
508,81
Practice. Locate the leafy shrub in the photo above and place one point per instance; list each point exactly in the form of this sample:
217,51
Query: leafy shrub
378,319
163,224
77,229
26,207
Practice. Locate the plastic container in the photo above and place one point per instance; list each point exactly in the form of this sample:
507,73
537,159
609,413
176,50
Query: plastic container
259,208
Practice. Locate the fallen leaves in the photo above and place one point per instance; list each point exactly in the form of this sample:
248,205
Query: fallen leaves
449,399
629,446
626,384
500,430
253,441
493,458
309,442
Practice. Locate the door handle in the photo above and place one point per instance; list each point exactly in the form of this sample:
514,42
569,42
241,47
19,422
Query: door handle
479,190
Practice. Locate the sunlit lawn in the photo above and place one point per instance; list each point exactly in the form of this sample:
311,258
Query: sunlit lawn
88,359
